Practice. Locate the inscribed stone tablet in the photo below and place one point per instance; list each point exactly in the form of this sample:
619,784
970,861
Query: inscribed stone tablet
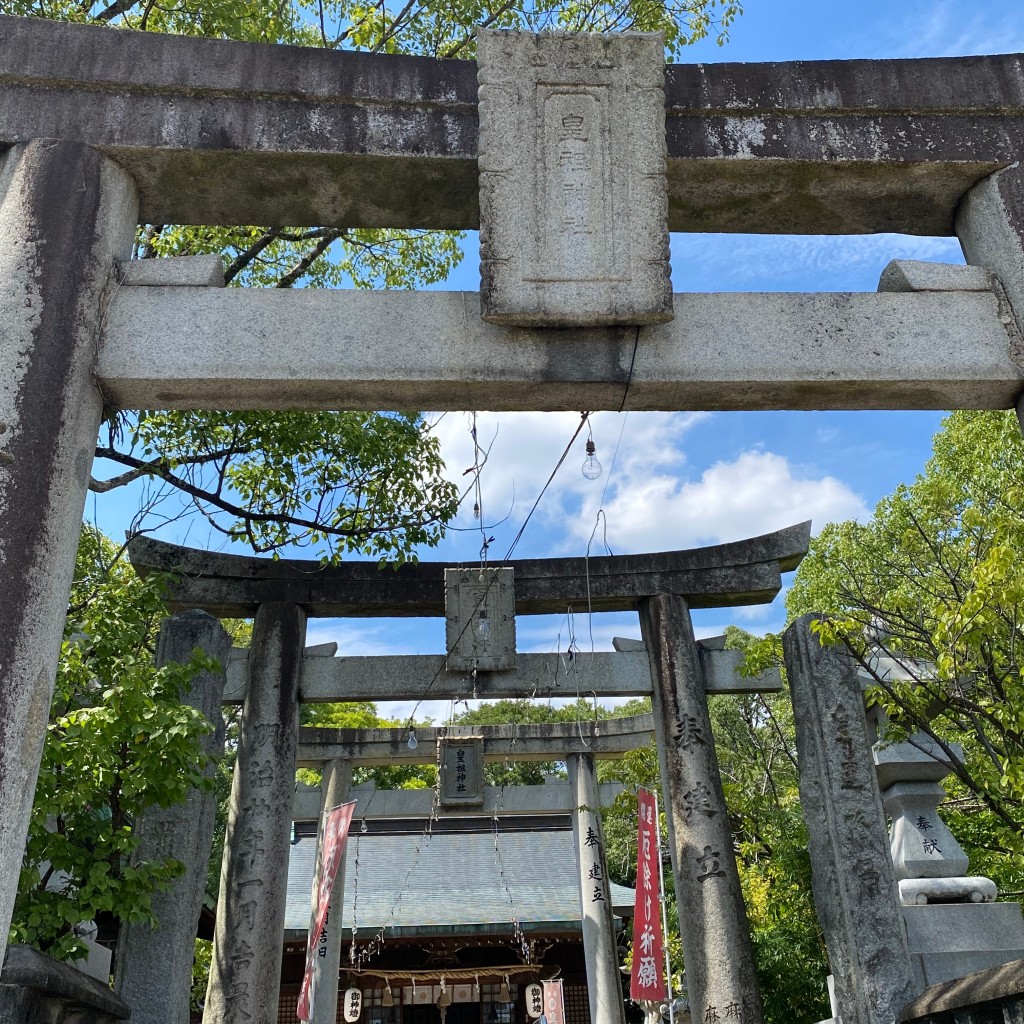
572,158
480,620
462,772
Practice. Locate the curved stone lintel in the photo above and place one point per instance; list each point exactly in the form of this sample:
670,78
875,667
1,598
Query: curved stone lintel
737,573
536,742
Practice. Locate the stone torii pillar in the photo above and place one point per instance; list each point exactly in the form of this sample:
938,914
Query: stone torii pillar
337,782
67,213
245,974
720,973
854,889
153,973
604,985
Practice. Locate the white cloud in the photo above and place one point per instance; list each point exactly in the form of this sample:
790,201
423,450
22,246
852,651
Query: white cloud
954,28
755,493
524,449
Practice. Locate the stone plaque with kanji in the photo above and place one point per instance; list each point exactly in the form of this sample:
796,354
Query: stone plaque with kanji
462,772
480,622
572,160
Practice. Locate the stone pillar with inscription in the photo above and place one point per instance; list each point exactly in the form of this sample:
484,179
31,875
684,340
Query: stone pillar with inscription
604,980
852,874
246,971
153,972
337,781
573,197
67,214
721,979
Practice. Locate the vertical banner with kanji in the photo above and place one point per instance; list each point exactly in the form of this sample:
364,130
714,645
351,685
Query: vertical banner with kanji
554,1007
335,833
647,980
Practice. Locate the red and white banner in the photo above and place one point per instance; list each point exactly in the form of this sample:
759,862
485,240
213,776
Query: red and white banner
554,1007
648,979
332,850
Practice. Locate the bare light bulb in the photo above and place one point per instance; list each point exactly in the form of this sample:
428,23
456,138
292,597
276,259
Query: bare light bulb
591,467
483,628
412,743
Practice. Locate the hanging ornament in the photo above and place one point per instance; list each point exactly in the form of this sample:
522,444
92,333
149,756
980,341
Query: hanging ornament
591,467
535,1000
387,999
504,996
353,1004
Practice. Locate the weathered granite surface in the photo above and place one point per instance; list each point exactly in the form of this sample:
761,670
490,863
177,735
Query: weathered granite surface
36,989
739,572
242,133
720,975
154,964
604,980
218,348
989,991
852,875
573,206
246,970
66,214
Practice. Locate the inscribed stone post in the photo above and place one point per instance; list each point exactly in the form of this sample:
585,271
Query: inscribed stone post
604,980
573,199
153,971
337,781
713,922
66,214
854,889
246,971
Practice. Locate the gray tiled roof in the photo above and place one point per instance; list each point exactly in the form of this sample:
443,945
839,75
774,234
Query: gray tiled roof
453,883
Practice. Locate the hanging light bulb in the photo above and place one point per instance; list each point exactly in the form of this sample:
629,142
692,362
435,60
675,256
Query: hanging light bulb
387,999
591,467
412,743
476,509
363,827
483,627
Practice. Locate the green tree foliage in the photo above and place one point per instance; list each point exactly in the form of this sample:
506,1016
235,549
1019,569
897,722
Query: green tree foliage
118,742
937,578
510,771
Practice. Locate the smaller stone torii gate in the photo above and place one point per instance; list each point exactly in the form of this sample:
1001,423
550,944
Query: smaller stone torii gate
337,751
274,676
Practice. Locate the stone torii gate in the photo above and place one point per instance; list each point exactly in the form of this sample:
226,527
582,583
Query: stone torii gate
137,127
274,676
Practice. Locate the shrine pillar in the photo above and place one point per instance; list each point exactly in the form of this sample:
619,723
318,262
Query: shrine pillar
67,213
990,226
153,972
721,980
245,974
604,980
852,875
337,782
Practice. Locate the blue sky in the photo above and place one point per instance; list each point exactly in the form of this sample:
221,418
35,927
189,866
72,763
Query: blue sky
684,479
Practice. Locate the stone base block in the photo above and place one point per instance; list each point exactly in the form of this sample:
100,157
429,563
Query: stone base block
952,940
965,889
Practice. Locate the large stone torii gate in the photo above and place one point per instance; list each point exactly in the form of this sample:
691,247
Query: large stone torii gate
137,127
273,677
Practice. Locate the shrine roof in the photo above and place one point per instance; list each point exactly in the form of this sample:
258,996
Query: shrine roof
453,886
